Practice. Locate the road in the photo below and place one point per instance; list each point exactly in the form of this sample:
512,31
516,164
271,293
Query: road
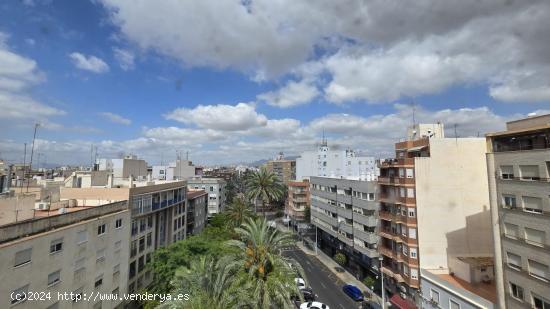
323,282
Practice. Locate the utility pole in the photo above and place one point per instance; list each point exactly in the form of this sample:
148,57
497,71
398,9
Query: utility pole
32,152
24,166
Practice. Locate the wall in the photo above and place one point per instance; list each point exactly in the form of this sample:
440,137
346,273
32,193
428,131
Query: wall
94,196
452,185
17,208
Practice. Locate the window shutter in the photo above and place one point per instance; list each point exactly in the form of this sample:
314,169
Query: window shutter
534,236
22,257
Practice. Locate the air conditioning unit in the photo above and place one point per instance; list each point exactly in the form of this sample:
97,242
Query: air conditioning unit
62,210
41,206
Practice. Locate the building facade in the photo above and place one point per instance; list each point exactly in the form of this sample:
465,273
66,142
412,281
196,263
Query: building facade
328,162
123,168
345,212
215,187
178,170
79,250
285,170
434,205
298,201
519,168
197,211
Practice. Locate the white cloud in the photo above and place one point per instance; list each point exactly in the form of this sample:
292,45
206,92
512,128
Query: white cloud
220,117
116,118
89,63
292,94
125,58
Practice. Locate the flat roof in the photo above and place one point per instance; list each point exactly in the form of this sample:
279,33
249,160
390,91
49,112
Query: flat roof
479,261
195,193
519,131
484,290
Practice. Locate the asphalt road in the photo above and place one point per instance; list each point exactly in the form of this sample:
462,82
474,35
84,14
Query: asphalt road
323,282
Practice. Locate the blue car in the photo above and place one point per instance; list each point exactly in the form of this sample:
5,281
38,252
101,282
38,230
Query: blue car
353,292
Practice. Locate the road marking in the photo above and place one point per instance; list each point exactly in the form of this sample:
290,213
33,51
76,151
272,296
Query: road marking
324,287
342,306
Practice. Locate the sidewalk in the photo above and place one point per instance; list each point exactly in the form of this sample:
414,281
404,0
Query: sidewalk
344,276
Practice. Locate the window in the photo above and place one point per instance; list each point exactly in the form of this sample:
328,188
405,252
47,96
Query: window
532,204
132,270
134,227
413,253
529,172
149,240
410,192
434,295
116,291
19,295
54,306
371,197
81,237
511,230
410,173
513,260
56,245
540,302
101,229
535,237
405,250
77,295
412,233
509,201
453,304
149,222
141,244
118,223
98,281
100,255
414,273
507,172
538,270
516,291
116,269
118,244
54,278
23,257
412,212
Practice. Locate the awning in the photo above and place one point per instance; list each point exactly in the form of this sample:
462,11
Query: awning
417,148
401,303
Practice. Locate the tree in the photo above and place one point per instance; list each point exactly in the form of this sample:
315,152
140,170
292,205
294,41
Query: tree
264,186
267,276
307,214
340,259
369,282
238,211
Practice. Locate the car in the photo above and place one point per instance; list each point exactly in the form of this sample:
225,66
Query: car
369,304
307,294
353,292
313,305
301,283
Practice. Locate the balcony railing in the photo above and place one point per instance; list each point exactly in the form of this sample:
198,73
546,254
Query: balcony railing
392,180
397,218
400,162
394,199
410,144
398,256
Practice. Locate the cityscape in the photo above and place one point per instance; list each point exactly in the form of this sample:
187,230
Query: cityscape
274,154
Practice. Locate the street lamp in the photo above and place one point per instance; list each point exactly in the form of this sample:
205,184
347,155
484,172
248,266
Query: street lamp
381,258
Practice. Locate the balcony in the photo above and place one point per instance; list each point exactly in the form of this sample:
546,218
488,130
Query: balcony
423,142
398,256
401,162
368,205
394,199
371,238
345,213
397,218
345,240
365,220
395,274
345,227
329,220
387,180
372,253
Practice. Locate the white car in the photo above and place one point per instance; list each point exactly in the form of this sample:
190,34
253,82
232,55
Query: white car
301,283
313,305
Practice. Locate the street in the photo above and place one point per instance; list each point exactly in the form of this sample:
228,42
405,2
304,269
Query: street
323,282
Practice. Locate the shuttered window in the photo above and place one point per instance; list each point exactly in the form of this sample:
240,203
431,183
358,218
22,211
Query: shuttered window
532,204
529,172
513,260
535,237
511,230
507,172
82,237
23,257
54,278
538,270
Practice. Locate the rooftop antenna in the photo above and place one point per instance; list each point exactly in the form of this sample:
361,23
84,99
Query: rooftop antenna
413,112
32,151
324,140
24,166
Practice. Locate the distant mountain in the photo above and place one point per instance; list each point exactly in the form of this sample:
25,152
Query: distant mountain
263,161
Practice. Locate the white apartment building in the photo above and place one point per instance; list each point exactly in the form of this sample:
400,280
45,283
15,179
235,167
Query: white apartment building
335,163
178,170
82,250
123,168
215,187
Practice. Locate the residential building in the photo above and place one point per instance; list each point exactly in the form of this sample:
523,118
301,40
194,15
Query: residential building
331,162
434,206
345,214
469,285
215,187
178,170
226,173
285,170
298,201
157,219
518,160
197,211
67,250
123,168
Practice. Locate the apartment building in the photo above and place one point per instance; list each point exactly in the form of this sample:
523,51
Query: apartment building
345,212
298,201
79,249
215,187
177,170
197,211
285,170
158,211
434,206
328,161
123,168
518,160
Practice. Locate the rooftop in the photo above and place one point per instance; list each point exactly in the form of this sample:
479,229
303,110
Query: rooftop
482,261
484,290
195,193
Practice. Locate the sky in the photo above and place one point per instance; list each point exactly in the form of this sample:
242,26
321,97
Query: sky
238,81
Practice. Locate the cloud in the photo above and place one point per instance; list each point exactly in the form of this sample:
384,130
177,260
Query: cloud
116,118
125,58
220,117
292,94
89,63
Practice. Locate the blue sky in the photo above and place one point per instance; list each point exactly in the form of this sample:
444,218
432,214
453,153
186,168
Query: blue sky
232,82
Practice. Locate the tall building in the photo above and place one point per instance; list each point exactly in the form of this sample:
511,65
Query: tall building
178,170
80,250
285,170
519,169
434,207
197,211
158,219
215,187
328,162
345,214
298,200
123,168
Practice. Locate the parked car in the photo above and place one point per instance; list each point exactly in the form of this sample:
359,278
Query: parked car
353,292
307,294
313,305
301,283
369,304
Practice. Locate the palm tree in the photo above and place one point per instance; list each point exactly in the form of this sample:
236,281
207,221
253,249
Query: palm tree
209,283
238,211
268,277
265,186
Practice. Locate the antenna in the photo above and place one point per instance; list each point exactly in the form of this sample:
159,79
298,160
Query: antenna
32,151
24,166
413,112
456,135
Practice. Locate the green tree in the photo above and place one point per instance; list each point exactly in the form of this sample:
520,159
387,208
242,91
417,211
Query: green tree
369,282
238,211
267,276
340,259
307,214
264,186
